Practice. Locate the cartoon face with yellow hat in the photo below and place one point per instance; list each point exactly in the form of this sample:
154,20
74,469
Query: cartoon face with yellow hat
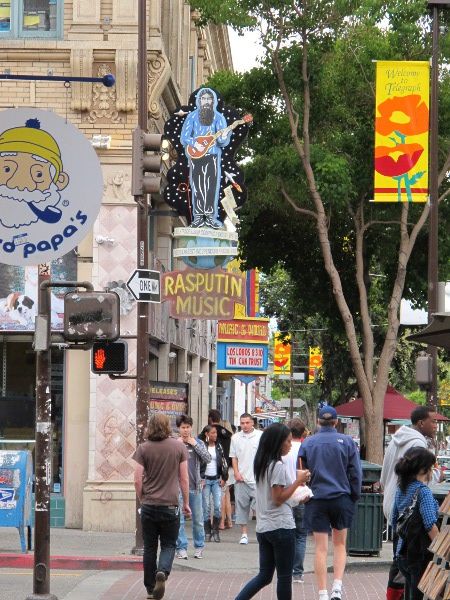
31,176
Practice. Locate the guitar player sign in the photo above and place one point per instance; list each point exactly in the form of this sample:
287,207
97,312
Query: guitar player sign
205,135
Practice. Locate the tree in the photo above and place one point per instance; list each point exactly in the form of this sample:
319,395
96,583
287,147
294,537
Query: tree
310,173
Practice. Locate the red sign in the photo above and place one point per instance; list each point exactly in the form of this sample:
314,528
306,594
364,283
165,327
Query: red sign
243,330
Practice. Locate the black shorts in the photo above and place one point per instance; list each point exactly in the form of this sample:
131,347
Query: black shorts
337,513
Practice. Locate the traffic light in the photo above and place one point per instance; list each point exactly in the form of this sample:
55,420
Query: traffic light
149,151
109,357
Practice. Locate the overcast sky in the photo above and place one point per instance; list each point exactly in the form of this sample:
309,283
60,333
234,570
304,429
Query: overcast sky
244,49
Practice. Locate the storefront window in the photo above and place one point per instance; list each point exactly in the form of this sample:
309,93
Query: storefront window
39,15
18,401
5,15
31,18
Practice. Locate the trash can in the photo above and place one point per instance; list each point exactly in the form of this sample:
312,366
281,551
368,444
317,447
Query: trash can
365,536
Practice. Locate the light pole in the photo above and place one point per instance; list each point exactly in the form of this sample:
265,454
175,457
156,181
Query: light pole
200,400
435,6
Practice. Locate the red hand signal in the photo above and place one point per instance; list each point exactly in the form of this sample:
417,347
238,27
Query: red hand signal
99,358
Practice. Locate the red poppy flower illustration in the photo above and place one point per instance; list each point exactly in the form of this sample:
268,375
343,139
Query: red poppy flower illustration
282,353
390,165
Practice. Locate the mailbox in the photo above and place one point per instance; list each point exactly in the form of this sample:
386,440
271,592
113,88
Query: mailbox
16,473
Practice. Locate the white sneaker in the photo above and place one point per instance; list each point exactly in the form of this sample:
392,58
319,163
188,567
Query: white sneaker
181,554
198,553
336,595
298,579
244,539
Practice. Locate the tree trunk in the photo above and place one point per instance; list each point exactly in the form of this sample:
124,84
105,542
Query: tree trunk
374,428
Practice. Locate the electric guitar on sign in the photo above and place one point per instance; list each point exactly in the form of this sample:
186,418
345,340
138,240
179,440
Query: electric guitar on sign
206,141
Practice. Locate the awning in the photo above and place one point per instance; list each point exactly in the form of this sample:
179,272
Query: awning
437,333
395,406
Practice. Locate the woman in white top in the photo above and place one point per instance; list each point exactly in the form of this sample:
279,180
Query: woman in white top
275,525
214,476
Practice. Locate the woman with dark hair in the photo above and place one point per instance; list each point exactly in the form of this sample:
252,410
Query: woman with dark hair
215,474
414,472
275,525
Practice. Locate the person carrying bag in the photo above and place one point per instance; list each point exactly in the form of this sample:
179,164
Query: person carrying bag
414,517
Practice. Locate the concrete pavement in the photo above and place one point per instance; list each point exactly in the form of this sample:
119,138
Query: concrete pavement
93,550
99,566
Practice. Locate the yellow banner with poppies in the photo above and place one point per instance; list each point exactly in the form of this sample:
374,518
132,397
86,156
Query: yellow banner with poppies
315,364
282,354
401,131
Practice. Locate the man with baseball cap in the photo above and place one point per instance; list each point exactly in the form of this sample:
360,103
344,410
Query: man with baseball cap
336,477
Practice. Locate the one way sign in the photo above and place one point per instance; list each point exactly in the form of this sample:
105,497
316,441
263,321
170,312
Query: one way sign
145,285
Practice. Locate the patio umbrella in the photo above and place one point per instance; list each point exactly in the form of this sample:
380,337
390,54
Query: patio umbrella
437,333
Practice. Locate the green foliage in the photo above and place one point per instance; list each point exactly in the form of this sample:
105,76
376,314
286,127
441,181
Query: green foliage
344,38
417,396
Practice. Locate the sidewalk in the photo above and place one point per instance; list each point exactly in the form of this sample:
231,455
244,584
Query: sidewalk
76,549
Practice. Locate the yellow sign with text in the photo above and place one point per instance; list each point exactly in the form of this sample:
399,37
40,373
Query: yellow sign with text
401,131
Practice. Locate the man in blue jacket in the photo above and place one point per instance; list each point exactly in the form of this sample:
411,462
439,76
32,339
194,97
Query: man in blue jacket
336,477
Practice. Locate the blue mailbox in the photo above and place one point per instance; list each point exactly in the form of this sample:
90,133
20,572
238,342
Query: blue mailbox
16,473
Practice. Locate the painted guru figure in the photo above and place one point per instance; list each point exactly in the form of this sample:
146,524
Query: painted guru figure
203,136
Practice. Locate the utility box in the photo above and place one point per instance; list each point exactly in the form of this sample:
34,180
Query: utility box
16,475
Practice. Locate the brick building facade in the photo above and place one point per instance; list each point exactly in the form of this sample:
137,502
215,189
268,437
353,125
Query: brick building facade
96,440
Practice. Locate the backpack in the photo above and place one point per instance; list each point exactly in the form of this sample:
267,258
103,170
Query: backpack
412,531
407,516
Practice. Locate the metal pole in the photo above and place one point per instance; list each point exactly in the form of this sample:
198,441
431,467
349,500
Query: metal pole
291,380
433,222
43,450
142,346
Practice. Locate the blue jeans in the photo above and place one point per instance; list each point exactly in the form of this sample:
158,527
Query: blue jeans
301,534
212,487
198,531
158,523
276,551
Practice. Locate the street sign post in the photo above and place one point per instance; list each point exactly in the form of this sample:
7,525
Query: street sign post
145,285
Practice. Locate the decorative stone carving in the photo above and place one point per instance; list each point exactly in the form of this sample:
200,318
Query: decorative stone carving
126,80
118,186
103,100
81,60
159,72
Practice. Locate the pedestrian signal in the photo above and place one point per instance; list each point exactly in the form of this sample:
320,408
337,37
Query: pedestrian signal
109,357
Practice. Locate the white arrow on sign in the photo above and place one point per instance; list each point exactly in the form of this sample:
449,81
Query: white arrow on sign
145,285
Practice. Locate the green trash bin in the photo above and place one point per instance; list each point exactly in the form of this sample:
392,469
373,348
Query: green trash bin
365,537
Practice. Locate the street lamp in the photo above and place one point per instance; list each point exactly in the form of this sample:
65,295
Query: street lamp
200,400
435,6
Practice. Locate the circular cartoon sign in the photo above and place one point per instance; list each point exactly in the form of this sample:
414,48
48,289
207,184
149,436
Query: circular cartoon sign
51,186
